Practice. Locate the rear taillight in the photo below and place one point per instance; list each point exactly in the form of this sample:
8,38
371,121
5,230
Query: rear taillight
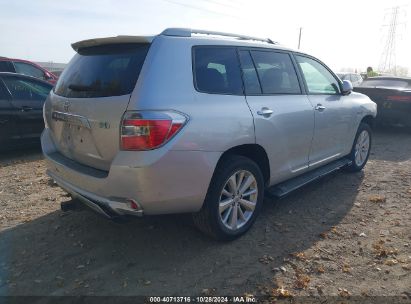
399,98
147,130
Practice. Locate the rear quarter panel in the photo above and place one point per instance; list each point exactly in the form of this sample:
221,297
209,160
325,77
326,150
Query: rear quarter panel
216,122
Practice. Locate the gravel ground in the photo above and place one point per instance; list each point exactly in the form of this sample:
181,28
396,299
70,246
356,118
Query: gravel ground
347,235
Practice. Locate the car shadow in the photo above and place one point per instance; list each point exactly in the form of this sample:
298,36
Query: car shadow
80,253
391,144
20,155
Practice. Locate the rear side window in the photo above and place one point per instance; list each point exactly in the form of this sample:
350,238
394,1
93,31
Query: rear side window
28,69
102,71
276,72
217,70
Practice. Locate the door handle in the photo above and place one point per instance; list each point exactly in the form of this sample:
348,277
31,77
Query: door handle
26,108
265,112
319,107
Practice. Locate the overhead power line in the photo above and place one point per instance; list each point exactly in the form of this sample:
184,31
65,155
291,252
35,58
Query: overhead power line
221,4
190,6
388,62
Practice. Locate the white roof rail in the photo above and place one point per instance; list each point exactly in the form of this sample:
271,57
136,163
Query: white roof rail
185,32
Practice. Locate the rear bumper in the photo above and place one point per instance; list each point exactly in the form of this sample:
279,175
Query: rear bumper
106,207
394,116
160,181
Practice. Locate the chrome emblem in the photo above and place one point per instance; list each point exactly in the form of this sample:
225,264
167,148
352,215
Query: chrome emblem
66,106
71,119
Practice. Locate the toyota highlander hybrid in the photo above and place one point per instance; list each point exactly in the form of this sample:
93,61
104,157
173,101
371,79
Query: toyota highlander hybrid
199,122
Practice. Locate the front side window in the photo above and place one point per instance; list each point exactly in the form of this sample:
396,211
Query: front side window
24,89
28,69
276,72
318,79
217,70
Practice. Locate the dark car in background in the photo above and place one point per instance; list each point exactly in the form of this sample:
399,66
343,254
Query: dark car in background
21,109
27,68
393,98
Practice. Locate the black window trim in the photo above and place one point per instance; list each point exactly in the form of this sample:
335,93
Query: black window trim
194,69
255,70
325,66
289,53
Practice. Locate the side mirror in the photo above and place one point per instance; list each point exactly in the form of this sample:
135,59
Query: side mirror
347,87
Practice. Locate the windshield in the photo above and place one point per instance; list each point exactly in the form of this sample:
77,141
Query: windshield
102,71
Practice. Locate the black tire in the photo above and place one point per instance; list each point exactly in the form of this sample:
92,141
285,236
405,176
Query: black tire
208,219
354,167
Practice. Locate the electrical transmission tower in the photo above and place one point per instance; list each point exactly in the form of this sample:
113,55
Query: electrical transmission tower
388,57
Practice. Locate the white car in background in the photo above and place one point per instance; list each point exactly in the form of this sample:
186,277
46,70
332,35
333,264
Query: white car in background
356,79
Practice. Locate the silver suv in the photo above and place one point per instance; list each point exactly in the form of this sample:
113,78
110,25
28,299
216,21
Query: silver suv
198,122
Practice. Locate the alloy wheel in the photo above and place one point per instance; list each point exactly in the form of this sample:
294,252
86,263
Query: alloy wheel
238,200
362,148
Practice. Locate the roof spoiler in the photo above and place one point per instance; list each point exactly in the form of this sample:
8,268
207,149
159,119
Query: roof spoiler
111,40
176,32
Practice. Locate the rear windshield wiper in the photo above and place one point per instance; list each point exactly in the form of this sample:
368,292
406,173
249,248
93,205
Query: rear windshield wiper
82,88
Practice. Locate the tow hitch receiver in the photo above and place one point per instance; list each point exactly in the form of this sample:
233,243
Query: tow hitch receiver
70,205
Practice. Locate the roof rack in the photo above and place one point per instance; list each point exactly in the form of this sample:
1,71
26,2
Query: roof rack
185,32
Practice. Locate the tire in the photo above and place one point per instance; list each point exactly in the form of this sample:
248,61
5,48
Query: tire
360,158
236,212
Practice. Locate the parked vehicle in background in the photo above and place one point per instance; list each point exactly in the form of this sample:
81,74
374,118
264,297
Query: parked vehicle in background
200,122
356,79
26,67
393,97
21,104
57,73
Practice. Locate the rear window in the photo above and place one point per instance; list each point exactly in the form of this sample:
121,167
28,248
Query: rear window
102,71
389,83
217,70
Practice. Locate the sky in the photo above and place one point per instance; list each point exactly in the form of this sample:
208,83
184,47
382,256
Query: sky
344,34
